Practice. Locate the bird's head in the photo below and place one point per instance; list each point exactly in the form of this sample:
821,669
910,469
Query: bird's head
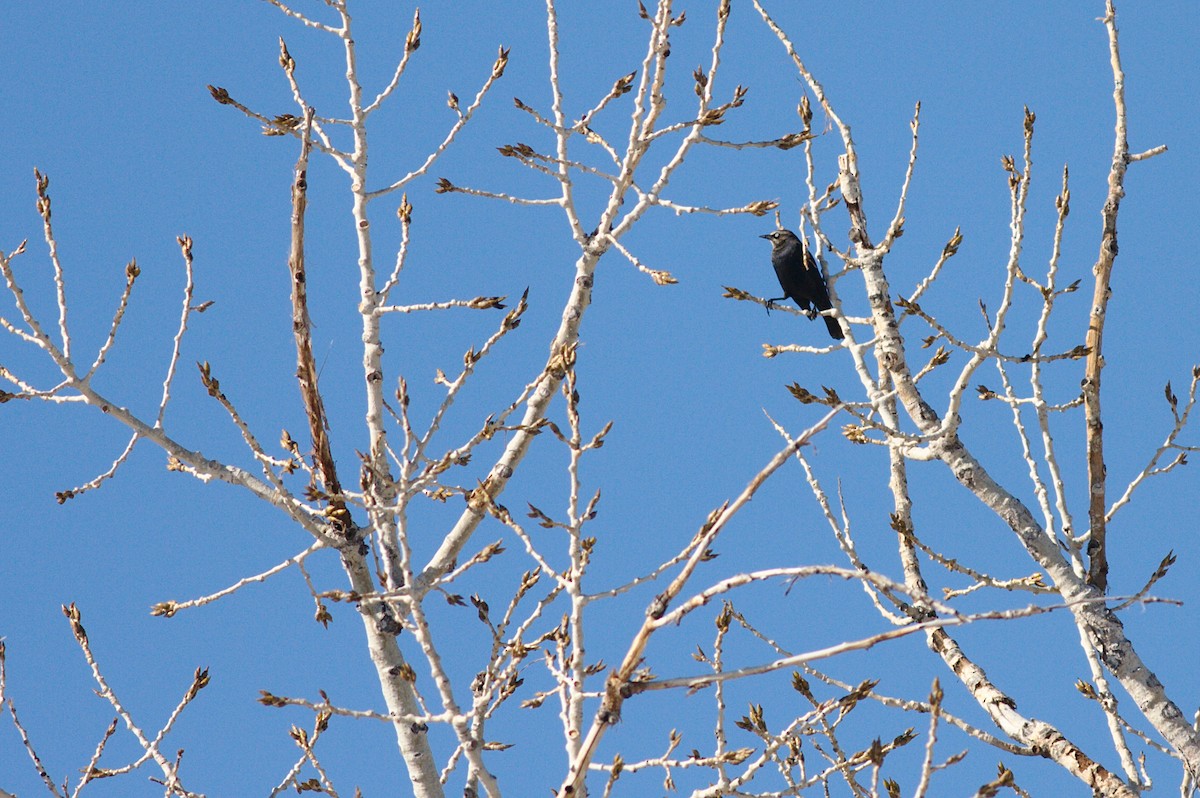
781,238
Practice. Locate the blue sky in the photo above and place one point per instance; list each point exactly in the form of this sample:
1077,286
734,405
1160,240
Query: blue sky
111,103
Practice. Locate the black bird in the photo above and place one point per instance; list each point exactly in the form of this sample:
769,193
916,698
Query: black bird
800,278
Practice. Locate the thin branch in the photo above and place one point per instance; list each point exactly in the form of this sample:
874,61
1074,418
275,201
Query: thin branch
463,118
7,702
185,246
168,609
1152,469
307,371
1097,479
411,42
896,228
149,747
296,15
131,273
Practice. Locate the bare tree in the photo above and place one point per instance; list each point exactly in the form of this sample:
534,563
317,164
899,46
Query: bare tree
540,600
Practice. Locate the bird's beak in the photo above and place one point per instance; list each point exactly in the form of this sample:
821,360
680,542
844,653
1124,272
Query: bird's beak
767,236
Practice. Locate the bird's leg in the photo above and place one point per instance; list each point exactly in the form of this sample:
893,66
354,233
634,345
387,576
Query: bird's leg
771,303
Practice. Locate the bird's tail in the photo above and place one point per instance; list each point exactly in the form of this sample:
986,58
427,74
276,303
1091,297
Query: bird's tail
831,324
835,329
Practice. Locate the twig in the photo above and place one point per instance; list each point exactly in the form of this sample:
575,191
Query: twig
168,609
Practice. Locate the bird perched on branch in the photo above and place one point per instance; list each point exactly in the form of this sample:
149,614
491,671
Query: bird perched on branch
800,278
